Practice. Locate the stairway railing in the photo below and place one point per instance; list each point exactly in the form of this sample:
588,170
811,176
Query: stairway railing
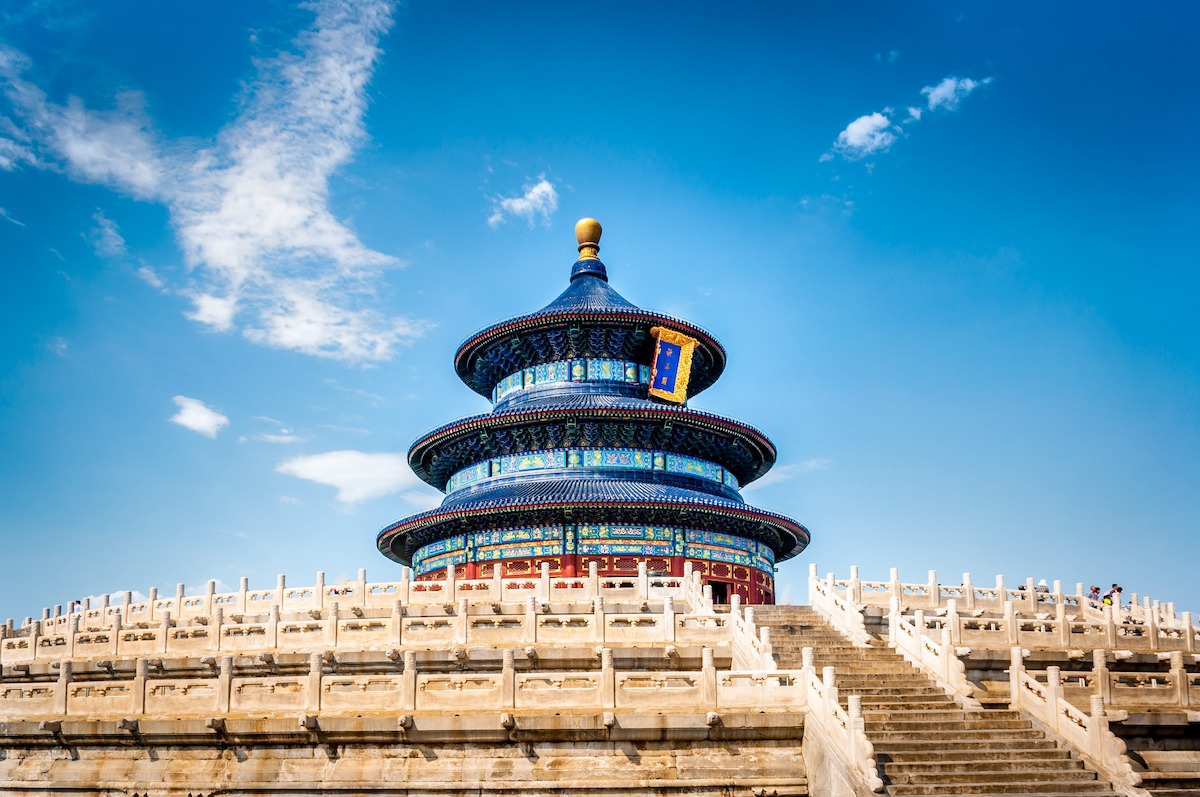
937,658
842,613
1088,733
843,729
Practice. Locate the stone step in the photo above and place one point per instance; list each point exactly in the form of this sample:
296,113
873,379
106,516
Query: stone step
1057,763
951,739
1012,790
964,775
937,751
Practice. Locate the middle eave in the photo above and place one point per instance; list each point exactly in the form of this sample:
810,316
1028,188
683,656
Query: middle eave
756,456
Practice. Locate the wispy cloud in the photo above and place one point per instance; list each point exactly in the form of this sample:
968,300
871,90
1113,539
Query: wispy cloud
951,91
105,238
251,208
889,57
194,414
59,346
359,476
4,215
150,277
874,133
784,473
538,199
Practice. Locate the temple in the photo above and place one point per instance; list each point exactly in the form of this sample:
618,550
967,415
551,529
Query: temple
590,454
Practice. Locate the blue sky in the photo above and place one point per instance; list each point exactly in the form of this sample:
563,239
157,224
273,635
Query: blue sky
949,248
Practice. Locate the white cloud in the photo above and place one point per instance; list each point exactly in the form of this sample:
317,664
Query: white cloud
250,208
865,136
914,114
539,198
4,215
150,277
890,56
105,238
359,476
196,415
278,439
951,91
59,346
783,473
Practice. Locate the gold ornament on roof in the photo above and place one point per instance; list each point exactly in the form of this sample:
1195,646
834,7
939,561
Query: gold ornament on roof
588,232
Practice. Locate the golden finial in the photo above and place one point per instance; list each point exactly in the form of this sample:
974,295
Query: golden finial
588,232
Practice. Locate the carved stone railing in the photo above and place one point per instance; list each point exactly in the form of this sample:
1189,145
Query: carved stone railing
1174,688
1057,629
936,657
836,733
1087,733
228,691
839,609
462,623
686,590
751,645
932,595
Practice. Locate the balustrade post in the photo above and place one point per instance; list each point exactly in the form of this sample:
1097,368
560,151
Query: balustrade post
150,601
1001,592
224,683
450,585
164,632
210,590
216,621
1031,596
1054,693
319,589
735,604
1189,633
708,594
531,621
829,678
894,619
272,640
126,607
1101,685
968,593
140,674
935,591
1064,625
643,581
854,586
280,589
498,583
1056,590
179,593
72,630
397,622
312,692
598,619
708,677
508,679
360,595
1152,629
408,682
608,680
1016,668
953,622
1011,627
919,625
243,588
1179,675
594,579
332,615
544,581
669,618
62,687
462,622
1110,625
895,588
807,659
1097,727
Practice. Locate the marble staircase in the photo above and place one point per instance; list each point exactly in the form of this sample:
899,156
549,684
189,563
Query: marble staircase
925,742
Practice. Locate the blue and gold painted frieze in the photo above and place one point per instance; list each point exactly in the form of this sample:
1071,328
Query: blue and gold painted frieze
616,459
590,370
597,539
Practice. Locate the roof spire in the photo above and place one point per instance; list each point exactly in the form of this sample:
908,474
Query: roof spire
587,232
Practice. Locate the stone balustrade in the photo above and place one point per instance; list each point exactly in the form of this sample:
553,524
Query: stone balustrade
970,597
1173,687
936,656
135,690
1088,732
508,623
837,733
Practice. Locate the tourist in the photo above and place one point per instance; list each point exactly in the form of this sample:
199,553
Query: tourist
1042,587
1095,598
1113,596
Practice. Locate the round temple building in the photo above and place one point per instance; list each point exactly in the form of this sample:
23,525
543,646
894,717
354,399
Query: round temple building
591,455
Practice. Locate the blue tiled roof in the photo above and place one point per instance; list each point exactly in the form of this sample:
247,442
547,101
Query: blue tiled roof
604,498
